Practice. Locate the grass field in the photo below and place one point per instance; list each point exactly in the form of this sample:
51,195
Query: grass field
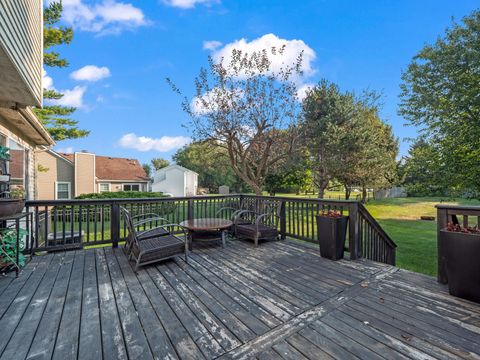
416,239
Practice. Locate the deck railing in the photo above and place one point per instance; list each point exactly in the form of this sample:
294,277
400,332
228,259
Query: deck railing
466,216
66,224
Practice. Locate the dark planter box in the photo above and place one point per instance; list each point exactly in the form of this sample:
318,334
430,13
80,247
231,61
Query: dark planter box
462,258
331,233
9,207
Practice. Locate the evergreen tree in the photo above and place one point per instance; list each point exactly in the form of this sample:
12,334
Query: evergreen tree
56,117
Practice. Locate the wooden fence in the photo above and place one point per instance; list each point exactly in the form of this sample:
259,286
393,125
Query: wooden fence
65,224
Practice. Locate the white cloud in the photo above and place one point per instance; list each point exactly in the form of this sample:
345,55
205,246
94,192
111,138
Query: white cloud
73,97
47,81
144,143
288,57
107,17
211,45
210,101
302,91
67,150
188,4
90,73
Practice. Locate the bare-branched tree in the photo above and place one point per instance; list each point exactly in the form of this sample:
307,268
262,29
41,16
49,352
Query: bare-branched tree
249,108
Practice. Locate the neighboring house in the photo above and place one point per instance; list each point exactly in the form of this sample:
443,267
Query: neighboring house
21,66
175,180
65,176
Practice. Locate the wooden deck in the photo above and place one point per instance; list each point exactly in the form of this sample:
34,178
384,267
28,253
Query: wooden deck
279,301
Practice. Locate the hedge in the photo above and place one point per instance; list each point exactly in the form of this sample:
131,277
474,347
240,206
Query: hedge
122,195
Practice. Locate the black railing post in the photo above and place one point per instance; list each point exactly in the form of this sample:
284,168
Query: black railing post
442,222
353,234
190,211
283,220
115,224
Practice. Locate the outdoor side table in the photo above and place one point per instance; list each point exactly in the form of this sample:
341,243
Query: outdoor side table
207,229
17,218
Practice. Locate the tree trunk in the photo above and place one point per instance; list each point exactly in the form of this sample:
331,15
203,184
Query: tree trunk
322,185
364,194
348,190
257,189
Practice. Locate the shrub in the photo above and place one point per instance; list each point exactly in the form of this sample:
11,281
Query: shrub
122,195
9,246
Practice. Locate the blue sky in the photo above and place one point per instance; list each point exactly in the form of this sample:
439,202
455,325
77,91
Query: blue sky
130,47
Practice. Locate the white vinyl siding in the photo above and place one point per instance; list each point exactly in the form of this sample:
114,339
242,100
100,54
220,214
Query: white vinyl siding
21,38
62,190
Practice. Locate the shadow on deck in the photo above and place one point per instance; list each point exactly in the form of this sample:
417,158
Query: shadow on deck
280,300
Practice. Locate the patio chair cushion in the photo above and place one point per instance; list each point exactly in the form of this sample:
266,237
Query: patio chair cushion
151,233
158,248
249,231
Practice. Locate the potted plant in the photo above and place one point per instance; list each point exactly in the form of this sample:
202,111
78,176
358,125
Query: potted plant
331,233
462,252
14,204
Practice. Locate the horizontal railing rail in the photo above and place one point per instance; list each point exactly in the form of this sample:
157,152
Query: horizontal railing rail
466,216
68,224
375,244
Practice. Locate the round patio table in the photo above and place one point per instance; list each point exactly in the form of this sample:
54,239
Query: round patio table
207,229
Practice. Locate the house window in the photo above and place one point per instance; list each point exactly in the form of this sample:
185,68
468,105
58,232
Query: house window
17,164
131,187
104,187
62,190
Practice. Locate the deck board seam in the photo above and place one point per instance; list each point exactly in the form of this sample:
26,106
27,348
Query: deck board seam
2,351
57,272
304,319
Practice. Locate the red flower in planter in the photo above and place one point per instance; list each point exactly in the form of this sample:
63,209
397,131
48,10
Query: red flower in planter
457,228
331,213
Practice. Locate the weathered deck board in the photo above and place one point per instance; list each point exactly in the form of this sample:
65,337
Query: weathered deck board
277,301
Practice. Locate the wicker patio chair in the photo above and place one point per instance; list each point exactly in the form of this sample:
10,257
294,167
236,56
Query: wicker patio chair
232,210
154,222
260,224
154,249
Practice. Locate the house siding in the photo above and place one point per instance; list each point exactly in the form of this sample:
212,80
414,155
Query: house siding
21,51
51,169
85,174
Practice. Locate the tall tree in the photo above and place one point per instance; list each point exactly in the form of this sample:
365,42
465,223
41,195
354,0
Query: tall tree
422,171
326,112
246,107
159,163
440,95
347,140
367,152
56,117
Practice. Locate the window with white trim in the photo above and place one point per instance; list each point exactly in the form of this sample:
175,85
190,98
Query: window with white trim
62,190
104,187
131,187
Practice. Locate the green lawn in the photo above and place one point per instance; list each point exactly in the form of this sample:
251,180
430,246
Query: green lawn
416,239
